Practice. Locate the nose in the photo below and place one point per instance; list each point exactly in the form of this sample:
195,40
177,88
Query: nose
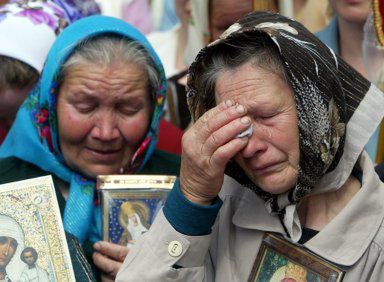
106,127
257,142
6,248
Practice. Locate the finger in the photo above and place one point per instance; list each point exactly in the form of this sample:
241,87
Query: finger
111,250
225,134
107,278
226,152
218,117
214,111
108,266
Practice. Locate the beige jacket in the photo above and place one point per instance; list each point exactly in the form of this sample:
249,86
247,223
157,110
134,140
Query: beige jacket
354,239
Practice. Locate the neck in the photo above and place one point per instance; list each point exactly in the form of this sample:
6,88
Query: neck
3,273
317,211
351,37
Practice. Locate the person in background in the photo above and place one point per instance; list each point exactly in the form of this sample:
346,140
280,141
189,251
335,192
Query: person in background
27,31
94,111
84,8
170,45
344,35
275,148
211,18
164,14
373,58
314,14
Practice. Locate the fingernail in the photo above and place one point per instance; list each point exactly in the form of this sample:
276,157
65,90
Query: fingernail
240,109
97,246
245,120
229,103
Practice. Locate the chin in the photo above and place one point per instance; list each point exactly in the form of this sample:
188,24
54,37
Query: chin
95,171
276,183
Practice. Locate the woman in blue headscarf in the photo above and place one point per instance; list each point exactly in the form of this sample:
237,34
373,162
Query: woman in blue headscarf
94,111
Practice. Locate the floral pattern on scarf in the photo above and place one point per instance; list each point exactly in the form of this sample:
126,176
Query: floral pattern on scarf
38,12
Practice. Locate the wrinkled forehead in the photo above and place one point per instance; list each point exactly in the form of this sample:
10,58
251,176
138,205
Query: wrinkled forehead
248,82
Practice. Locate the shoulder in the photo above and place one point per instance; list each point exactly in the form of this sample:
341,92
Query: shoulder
162,163
15,169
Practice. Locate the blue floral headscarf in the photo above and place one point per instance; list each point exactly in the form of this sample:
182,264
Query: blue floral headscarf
34,136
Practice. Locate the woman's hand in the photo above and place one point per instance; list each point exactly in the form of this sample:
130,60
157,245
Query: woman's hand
109,258
207,147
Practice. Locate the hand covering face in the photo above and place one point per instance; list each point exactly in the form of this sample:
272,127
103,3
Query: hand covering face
34,137
338,109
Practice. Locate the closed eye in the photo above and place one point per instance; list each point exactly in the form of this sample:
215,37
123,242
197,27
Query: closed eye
267,116
85,108
129,110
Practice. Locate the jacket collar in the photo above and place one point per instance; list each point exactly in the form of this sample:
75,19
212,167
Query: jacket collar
250,212
340,241
349,234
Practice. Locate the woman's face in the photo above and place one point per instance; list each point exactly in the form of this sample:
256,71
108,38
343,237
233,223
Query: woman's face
223,13
103,114
8,248
271,157
353,11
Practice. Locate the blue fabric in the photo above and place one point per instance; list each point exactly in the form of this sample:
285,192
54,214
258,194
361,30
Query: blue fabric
169,17
34,137
189,218
330,36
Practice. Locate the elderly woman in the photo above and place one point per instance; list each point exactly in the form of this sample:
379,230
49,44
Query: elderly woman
286,120
94,111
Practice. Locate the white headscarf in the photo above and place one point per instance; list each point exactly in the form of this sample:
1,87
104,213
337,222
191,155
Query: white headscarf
27,30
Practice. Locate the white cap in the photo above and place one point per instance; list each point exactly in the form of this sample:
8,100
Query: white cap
27,31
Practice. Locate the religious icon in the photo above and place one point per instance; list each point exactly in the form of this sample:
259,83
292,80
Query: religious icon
130,203
281,261
33,245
